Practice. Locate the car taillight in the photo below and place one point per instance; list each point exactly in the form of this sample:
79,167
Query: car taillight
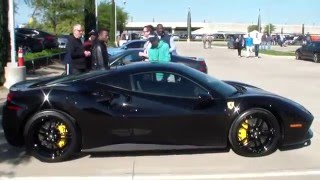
203,66
39,41
11,106
9,97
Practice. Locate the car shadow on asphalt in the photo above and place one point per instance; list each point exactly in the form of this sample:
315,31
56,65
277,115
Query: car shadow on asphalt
11,155
156,153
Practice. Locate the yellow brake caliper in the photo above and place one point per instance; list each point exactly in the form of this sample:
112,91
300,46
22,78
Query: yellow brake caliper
63,131
242,132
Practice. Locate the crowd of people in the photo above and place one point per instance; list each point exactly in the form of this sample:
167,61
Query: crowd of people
83,56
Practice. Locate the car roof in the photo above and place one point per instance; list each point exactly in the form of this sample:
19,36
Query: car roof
137,40
148,66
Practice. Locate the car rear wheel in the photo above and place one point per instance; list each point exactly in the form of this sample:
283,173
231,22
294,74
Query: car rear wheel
316,58
51,136
254,133
298,56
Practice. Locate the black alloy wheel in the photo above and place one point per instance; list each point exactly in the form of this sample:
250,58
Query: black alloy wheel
255,133
51,136
316,58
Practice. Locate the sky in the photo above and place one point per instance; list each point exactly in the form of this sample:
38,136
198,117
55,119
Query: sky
211,11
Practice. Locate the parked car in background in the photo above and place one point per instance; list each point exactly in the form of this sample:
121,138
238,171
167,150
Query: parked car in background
63,40
128,45
49,41
28,44
231,42
132,55
309,51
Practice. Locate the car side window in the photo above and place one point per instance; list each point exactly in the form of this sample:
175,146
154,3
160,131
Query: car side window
115,81
167,84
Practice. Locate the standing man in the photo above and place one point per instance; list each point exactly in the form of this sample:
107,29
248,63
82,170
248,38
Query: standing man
239,44
204,41
249,44
210,39
76,50
159,53
257,42
147,30
166,38
100,58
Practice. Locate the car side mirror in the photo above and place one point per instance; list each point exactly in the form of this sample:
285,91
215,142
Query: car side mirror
124,47
204,100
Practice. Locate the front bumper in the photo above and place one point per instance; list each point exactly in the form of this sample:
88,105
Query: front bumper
305,141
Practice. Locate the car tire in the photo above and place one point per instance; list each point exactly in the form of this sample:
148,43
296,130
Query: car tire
316,58
254,133
51,136
297,56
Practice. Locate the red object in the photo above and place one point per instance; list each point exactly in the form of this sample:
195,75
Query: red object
20,57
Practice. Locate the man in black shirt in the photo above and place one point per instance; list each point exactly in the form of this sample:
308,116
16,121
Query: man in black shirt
76,51
100,58
166,38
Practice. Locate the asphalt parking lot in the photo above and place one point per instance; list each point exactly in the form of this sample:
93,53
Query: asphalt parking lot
297,80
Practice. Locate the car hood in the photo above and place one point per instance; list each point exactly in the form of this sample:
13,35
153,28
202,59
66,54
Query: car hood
247,90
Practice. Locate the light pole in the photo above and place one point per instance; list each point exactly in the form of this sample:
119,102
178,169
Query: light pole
115,19
96,9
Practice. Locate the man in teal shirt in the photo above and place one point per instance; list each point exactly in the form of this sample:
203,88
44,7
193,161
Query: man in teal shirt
159,51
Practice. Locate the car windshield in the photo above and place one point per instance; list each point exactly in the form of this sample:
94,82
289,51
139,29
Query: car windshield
221,87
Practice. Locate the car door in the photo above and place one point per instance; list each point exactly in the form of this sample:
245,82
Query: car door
106,106
307,51
165,109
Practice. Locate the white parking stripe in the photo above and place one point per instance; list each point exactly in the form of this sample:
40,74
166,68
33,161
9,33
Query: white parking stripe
179,177
230,176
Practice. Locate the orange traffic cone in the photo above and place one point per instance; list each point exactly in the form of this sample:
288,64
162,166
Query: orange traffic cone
20,57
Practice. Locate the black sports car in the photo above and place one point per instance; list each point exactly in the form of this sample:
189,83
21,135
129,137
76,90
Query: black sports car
132,55
147,106
309,51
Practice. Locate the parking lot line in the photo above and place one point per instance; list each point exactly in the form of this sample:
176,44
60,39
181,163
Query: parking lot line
180,177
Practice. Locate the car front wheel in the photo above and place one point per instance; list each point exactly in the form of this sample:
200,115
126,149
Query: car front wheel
51,136
254,133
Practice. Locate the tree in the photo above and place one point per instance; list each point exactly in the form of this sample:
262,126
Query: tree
106,19
89,17
54,12
269,27
4,38
252,28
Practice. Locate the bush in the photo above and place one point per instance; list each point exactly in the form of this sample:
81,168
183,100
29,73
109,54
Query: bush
43,54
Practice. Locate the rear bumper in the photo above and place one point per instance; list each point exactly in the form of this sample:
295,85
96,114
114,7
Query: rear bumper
11,129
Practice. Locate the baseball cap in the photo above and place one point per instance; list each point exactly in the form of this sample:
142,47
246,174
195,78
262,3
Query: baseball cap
93,32
153,37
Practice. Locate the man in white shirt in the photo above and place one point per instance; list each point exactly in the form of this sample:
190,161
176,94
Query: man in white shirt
257,42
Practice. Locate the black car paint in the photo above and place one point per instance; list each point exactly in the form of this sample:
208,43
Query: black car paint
308,51
107,115
120,59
